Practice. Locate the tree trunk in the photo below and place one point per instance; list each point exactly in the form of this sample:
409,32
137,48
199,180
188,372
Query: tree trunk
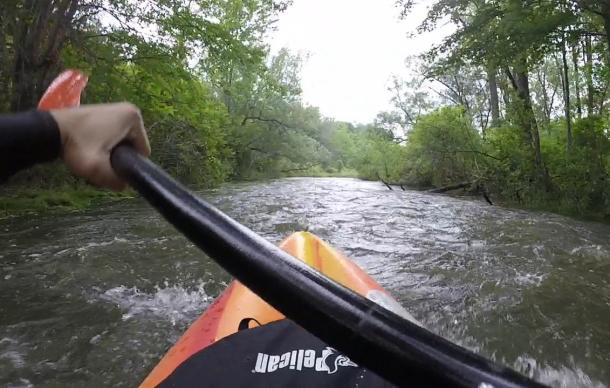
546,105
4,61
566,91
38,40
494,99
606,17
605,8
520,82
575,60
589,73
504,89
531,125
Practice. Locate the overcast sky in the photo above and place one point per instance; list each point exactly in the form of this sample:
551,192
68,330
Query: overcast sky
354,48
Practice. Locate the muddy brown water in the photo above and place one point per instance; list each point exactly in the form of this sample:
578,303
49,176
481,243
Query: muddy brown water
96,298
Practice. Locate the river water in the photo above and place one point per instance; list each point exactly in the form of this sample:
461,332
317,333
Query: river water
96,298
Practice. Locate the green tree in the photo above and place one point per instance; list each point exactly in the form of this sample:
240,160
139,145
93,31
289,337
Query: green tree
443,148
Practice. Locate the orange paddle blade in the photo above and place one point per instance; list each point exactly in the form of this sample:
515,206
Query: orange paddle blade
64,91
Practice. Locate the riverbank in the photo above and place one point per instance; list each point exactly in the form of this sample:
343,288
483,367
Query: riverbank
15,202
555,208
311,172
18,200
539,205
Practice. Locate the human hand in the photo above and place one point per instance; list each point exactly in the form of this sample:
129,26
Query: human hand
90,133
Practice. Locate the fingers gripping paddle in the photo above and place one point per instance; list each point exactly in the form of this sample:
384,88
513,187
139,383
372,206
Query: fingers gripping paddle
394,348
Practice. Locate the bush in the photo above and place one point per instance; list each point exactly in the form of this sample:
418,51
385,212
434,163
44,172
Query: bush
581,173
509,174
443,148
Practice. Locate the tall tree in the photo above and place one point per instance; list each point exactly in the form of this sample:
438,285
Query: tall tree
35,32
566,90
494,100
519,78
513,33
588,50
33,35
600,8
576,78
410,99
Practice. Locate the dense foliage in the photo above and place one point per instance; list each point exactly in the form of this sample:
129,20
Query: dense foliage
514,102
532,82
218,105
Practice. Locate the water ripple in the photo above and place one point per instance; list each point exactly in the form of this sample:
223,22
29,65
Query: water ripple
95,298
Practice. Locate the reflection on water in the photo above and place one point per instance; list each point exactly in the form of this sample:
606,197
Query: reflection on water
98,297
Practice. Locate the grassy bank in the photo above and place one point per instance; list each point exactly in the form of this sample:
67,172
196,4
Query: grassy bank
535,205
558,208
17,200
313,172
318,172
63,199
548,207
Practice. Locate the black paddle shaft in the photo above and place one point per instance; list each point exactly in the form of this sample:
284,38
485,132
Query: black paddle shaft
397,350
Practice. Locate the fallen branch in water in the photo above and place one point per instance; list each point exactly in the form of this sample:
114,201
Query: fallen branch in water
385,183
458,186
476,188
486,196
390,184
305,168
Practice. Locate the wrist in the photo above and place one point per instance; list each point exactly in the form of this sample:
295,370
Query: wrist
63,119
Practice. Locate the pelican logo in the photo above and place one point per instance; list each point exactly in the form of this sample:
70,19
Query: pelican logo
328,362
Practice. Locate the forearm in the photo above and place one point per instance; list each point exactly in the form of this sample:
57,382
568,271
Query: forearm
27,139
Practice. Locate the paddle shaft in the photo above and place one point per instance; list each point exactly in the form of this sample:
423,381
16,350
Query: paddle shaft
394,348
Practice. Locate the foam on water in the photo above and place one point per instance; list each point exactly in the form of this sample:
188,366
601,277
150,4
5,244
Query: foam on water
176,303
23,383
11,351
508,284
561,377
97,244
529,279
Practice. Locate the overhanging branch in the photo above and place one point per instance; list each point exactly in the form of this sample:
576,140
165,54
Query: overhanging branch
266,120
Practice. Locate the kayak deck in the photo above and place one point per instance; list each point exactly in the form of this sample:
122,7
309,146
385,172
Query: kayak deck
238,306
